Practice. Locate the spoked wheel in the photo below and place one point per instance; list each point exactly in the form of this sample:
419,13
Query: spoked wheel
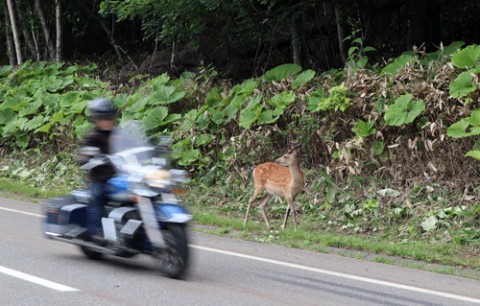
174,259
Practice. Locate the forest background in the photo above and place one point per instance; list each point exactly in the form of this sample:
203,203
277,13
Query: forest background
382,94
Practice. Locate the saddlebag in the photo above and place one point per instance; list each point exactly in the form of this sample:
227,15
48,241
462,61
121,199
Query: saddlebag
63,214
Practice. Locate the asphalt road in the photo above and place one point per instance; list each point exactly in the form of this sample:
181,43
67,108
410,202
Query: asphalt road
38,271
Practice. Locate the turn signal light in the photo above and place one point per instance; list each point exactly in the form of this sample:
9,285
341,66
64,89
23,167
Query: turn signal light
177,191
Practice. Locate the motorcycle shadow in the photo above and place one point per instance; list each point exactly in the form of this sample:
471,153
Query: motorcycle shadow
137,264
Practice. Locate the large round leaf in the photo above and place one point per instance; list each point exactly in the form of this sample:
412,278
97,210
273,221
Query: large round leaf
398,63
467,57
303,78
404,111
469,126
155,117
463,84
250,114
281,72
474,153
364,129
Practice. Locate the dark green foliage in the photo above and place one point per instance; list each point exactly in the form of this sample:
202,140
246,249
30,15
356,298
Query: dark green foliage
353,130
43,102
404,111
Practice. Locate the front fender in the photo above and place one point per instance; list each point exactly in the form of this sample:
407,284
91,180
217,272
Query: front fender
171,213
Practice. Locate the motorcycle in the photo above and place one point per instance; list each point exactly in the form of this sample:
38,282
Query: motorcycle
143,214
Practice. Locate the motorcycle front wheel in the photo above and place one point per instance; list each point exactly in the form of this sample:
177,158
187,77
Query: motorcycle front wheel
174,258
90,254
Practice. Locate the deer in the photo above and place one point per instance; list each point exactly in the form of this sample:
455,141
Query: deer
283,178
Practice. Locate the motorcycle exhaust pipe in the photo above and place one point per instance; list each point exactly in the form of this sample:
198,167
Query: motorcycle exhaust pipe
78,242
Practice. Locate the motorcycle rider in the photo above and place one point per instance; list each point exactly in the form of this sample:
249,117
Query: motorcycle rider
102,113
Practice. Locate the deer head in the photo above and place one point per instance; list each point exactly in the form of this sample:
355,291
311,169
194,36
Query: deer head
292,155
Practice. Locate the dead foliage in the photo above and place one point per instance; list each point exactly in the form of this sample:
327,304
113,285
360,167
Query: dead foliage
418,153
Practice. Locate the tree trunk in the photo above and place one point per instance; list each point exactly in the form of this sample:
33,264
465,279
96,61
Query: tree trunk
8,39
15,32
418,29
297,42
46,32
31,48
172,56
59,30
30,44
340,32
109,33
36,44
435,24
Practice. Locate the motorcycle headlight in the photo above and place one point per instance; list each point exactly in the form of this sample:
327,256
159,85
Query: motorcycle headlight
158,178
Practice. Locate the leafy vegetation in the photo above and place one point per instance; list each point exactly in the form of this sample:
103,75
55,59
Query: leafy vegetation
404,111
42,103
383,147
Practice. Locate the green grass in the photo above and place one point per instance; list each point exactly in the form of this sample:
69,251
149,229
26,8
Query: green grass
382,259
23,190
448,257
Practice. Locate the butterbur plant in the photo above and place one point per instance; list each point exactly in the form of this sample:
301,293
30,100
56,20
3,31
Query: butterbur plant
251,113
466,127
281,72
398,63
42,101
467,57
364,129
404,110
464,84
303,78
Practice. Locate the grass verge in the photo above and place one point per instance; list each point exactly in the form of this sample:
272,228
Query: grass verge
439,257
13,188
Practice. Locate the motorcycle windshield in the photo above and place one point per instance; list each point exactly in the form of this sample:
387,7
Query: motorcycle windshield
129,144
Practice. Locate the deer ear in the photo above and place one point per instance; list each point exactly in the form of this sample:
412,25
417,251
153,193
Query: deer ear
293,144
297,150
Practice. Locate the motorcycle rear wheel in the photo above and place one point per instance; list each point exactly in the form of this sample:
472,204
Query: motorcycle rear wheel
174,259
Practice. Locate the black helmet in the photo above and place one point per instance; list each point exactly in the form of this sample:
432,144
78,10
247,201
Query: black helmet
101,108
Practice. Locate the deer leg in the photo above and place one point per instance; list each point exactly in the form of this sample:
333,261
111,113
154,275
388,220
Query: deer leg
287,212
250,201
262,208
290,208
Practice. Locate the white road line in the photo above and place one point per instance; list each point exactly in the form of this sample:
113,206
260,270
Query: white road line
21,212
322,271
28,277
343,275
36,280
